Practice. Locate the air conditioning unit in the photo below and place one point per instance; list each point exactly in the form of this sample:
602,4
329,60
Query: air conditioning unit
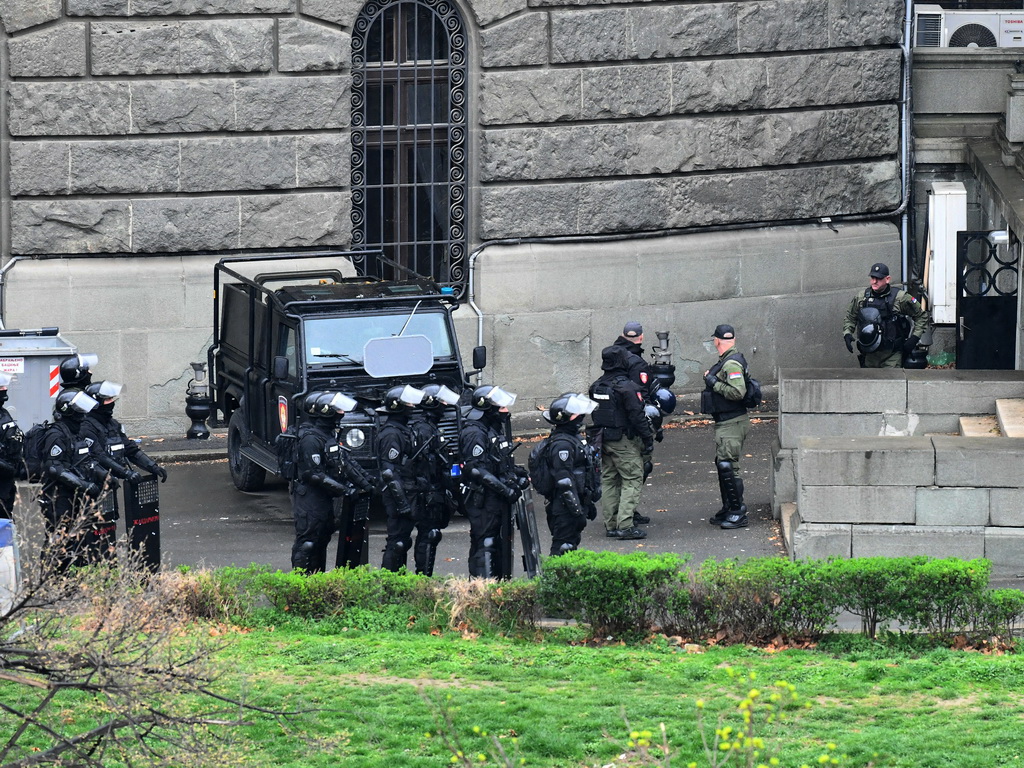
935,27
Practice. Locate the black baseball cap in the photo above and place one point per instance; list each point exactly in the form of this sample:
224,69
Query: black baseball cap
879,270
633,329
724,332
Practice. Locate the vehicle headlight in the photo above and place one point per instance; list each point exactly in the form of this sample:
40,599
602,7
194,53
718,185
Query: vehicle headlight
355,438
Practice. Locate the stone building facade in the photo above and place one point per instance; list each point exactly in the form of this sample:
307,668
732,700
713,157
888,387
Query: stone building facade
669,162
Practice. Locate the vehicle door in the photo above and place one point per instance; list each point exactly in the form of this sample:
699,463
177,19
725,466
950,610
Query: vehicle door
280,390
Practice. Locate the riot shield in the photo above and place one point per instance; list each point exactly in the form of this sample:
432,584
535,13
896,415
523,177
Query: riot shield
526,521
100,541
352,519
505,545
142,518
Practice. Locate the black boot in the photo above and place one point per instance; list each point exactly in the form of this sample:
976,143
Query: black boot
720,515
736,516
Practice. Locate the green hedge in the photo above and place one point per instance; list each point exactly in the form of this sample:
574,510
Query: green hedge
628,596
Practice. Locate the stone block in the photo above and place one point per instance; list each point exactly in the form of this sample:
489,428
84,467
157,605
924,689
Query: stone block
39,294
39,168
68,109
487,12
98,8
637,90
303,46
185,224
53,52
198,7
182,106
323,160
213,164
155,301
783,25
864,22
900,461
967,543
978,462
960,392
273,221
1007,507
1004,548
70,226
662,271
627,204
952,506
292,104
842,390
340,12
538,209
856,504
533,96
782,480
17,15
820,541
173,47
128,167
795,426
518,42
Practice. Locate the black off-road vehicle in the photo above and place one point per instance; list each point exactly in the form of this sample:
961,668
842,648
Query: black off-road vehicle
295,323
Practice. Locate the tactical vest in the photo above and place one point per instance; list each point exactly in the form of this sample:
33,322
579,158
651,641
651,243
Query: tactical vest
722,408
893,325
609,413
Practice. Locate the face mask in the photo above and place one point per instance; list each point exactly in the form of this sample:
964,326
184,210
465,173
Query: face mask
3,396
106,409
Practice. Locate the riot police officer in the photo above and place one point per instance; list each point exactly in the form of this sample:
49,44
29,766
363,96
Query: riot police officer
885,323
438,497
399,458
321,478
71,481
494,483
571,464
12,460
75,372
111,447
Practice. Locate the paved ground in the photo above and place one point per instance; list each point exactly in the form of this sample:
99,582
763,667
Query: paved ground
206,521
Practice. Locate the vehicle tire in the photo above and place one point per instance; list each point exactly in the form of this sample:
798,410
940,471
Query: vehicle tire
247,475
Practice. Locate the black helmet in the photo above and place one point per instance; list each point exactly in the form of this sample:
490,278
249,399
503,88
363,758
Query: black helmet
334,404
917,358
403,398
567,407
75,371
438,396
101,391
309,405
72,402
490,398
869,333
665,400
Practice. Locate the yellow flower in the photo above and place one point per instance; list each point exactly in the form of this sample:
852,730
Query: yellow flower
700,703
481,757
476,729
634,735
754,693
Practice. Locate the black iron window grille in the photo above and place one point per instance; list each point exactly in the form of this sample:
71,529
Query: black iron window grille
409,138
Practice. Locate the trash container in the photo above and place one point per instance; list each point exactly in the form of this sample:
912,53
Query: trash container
8,565
33,358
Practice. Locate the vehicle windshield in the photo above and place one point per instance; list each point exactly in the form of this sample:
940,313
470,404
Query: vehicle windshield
330,339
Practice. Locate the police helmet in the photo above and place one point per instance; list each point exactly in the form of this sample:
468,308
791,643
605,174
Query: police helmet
491,398
334,404
75,371
72,401
917,359
403,398
567,407
310,406
869,330
665,400
5,380
103,391
438,396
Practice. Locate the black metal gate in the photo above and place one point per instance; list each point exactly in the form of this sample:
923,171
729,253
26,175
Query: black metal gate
986,305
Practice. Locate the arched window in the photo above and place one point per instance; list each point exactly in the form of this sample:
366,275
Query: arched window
409,137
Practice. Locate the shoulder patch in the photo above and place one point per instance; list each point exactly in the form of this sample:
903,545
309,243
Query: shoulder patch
639,397
393,454
735,374
478,450
563,455
56,451
316,458
643,377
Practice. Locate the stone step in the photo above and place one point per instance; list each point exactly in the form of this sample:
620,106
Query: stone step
1010,413
979,426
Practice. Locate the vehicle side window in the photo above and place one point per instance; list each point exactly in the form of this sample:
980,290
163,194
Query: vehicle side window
287,346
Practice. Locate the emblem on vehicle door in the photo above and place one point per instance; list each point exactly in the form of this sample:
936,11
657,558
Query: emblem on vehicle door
282,411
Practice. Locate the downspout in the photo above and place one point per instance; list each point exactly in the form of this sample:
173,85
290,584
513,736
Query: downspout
3,285
905,169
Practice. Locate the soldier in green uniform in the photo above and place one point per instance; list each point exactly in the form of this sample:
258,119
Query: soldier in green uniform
885,323
725,388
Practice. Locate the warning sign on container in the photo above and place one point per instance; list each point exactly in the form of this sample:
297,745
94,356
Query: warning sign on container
12,364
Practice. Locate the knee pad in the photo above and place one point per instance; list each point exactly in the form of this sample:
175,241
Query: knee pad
434,536
566,547
402,545
490,543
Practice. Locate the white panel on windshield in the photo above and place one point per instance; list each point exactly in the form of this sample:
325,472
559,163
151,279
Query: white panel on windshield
398,356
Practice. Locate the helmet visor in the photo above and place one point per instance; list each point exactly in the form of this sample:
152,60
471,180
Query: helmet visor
82,403
88,362
108,390
581,405
501,398
5,379
410,395
342,403
447,396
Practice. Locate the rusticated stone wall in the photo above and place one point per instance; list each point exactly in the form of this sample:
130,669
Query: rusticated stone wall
172,126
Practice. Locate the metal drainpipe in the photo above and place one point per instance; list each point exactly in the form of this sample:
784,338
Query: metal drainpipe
3,286
906,170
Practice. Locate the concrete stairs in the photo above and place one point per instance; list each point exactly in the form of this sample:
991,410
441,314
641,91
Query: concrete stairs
1008,421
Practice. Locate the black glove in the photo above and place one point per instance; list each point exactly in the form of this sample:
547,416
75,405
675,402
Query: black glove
591,511
648,446
848,338
709,380
93,491
659,435
161,473
910,344
133,477
513,494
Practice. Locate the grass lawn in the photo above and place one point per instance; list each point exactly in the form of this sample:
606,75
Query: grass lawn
568,705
